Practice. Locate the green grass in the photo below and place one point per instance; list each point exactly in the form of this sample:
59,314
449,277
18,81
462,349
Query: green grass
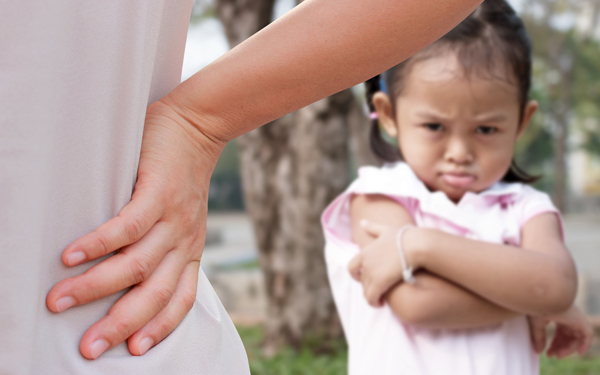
305,362
570,366
290,361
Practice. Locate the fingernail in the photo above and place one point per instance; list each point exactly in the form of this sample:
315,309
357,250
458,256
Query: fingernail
99,347
64,303
145,344
75,258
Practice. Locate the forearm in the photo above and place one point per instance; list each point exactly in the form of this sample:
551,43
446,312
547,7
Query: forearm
317,49
435,303
528,282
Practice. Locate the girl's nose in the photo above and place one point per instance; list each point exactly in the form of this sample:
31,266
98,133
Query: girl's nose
458,151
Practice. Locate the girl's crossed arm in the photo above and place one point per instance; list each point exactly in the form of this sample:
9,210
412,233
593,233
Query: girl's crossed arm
437,303
537,279
432,302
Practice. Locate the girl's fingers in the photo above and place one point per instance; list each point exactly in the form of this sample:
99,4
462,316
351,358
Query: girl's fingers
564,343
355,267
569,347
587,340
169,318
131,266
538,334
372,228
372,291
136,308
132,223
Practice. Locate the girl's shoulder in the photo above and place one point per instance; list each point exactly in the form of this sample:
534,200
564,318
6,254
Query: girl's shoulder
527,202
394,179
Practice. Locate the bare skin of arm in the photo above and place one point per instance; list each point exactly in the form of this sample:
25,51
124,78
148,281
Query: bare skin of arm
319,48
536,279
432,302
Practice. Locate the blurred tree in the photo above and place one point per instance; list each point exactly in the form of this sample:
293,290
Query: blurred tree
566,82
291,169
225,193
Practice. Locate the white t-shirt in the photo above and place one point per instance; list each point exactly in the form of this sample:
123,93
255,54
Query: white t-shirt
75,80
379,343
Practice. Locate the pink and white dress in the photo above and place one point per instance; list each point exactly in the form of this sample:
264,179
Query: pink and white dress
379,343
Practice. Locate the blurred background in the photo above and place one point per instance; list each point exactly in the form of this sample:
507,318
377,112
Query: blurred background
264,248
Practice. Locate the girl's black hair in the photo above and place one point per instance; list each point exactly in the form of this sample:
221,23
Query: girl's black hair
491,41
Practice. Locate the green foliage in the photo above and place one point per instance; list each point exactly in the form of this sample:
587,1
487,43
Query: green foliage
534,151
566,74
225,192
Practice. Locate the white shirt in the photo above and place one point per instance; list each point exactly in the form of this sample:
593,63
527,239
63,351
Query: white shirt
75,80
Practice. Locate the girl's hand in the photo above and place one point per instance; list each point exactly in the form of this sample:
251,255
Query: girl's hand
573,333
160,235
379,265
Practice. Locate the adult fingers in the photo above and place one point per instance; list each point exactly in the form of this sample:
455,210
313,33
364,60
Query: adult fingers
168,318
133,222
372,228
129,267
355,267
136,308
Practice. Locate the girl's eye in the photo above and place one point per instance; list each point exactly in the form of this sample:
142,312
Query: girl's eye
434,127
486,129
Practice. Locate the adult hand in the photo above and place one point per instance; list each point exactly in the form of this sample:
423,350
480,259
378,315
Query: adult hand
379,266
573,333
160,235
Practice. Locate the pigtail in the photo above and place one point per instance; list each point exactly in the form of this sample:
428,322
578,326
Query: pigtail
516,174
380,147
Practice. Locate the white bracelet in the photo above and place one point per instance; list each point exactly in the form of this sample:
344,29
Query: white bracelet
407,272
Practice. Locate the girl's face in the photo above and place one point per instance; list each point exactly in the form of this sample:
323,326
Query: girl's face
457,133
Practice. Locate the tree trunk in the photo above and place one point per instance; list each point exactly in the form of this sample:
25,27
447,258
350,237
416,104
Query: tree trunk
291,169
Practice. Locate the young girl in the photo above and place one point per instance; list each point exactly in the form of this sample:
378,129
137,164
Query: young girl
451,250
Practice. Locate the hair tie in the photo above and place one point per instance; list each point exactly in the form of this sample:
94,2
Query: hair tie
373,116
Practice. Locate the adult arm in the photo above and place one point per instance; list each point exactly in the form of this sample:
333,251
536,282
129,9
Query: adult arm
319,48
432,302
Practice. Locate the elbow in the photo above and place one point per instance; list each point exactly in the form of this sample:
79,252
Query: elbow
409,305
557,293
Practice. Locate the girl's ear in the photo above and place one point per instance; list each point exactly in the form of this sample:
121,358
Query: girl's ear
383,105
530,108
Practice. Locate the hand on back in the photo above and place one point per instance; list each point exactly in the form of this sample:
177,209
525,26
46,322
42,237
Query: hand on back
157,240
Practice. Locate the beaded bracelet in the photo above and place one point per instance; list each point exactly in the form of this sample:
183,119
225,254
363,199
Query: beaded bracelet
407,272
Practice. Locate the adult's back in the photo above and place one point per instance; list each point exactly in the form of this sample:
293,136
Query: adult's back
75,81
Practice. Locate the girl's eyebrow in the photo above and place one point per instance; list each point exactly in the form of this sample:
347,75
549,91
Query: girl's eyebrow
430,114
491,117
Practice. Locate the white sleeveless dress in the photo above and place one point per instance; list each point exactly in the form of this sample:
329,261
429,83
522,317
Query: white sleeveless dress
378,342
75,80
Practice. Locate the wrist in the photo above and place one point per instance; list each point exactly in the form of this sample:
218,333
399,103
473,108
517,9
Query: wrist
416,245
208,144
